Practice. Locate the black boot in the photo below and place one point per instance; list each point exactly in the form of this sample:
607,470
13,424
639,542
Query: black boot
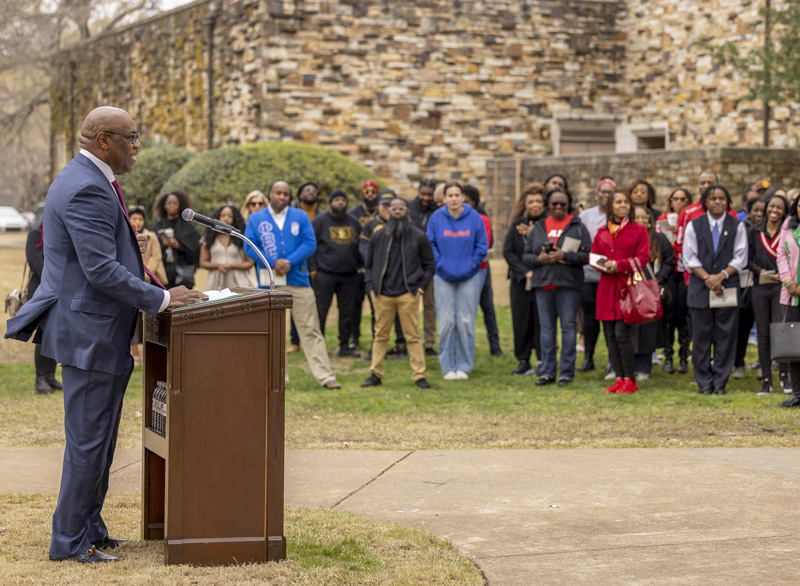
766,387
53,382
683,367
42,386
668,366
587,366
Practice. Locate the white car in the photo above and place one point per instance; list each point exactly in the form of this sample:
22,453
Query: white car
11,220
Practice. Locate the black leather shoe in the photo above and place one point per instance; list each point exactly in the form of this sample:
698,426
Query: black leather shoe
53,381
402,351
705,391
93,556
587,366
523,368
793,401
422,383
347,351
669,368
766,387
109,543
562,382
683,367
42,387
372,381
544,380
496,351
719,390
431,352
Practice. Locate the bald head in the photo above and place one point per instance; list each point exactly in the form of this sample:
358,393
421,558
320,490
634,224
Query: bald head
110,134
279,195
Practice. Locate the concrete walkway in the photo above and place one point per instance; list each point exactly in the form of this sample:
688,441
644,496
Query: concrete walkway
541,517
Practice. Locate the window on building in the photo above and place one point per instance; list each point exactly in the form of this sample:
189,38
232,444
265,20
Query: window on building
574,137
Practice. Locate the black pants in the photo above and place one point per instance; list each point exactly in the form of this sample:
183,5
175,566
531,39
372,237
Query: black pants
717,326
620,347
677,318
524,320
345,286
487,307
44,365
767,309
746,320
591,327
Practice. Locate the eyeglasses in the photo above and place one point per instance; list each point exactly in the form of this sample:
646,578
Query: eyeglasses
257,204
131,136
558,204
366,191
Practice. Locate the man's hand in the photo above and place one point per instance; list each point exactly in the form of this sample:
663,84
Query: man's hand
714,282
180,296
141,239
282,266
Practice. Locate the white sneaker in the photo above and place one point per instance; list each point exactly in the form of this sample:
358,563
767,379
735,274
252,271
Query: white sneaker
450,375
461,375
739,373
611,376
643,376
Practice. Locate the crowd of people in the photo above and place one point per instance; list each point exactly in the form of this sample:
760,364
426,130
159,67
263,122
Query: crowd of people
724,271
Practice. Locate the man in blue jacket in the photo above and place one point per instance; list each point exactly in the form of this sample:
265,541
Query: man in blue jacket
286,238
84,314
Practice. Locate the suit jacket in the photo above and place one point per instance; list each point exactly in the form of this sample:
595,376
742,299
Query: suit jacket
93,280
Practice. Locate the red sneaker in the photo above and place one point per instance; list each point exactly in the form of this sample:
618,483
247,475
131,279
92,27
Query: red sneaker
628,386
616,386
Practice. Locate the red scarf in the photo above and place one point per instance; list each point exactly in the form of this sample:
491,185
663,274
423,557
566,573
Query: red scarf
616,229
771,246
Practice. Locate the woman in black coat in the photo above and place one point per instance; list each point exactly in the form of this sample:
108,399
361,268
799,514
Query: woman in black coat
180,241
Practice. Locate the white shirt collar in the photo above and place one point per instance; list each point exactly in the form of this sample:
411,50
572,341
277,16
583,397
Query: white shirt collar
275,214
712,220
100,165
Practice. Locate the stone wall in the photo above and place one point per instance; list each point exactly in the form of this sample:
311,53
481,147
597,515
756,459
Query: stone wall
737,168
410,89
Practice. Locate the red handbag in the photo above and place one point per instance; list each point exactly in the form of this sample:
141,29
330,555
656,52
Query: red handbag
640,299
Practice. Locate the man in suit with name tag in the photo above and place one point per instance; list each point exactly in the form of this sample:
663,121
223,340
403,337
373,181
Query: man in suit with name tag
84,314
715,250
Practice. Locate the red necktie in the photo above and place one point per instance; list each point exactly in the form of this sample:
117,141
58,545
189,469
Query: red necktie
118,189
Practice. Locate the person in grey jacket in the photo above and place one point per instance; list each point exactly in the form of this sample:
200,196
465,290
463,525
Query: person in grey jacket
556,249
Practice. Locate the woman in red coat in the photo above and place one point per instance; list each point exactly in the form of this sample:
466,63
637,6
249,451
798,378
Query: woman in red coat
619,241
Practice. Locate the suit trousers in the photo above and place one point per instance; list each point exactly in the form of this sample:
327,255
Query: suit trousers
429,316
719,325
387,309
92,410
306,318
345,286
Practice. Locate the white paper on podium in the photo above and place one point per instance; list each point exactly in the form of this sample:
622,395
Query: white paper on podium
217,294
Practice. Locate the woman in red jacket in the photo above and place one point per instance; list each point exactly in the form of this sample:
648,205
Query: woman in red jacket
620,241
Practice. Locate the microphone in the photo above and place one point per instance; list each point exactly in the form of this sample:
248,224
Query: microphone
215,225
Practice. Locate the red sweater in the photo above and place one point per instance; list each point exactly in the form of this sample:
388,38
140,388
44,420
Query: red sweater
631,242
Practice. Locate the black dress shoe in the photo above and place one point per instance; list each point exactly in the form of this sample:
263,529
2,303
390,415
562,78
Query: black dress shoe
562,382
705,391
42,387
431,352
496,351
372,381
422,383
523,368
793,401
719,390
587,366
544,380
402,351
669,368
683,367
347,351
109,543
93,556
53,381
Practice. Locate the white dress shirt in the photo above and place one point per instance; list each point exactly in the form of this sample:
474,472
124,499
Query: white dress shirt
692,261
109,174
279,217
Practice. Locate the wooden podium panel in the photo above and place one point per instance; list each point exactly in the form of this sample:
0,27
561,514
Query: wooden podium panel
213,486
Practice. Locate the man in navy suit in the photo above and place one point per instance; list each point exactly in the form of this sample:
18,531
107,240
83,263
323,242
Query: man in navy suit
84,314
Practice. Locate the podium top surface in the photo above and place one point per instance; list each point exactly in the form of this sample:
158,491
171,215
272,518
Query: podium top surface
249,300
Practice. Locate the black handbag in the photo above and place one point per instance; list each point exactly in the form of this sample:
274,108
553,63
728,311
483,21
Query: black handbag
784,340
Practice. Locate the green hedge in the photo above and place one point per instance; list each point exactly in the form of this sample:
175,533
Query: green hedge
222,176
155,164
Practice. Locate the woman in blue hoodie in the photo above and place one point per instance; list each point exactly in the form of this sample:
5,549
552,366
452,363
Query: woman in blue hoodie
458,237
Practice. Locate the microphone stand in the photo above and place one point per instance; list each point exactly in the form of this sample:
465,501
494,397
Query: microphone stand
234,232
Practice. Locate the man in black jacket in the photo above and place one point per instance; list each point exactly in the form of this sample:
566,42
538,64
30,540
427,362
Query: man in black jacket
420,209
399,265
335,265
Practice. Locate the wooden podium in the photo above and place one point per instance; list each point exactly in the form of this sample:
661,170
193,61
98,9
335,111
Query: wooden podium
212,487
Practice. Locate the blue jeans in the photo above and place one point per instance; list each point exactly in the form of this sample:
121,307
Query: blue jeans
456,311
560,303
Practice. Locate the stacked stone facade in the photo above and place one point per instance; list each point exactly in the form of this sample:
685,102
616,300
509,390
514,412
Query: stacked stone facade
426,88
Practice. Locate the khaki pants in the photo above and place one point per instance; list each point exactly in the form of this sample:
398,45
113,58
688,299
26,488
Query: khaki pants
429,316
306,319
407,308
